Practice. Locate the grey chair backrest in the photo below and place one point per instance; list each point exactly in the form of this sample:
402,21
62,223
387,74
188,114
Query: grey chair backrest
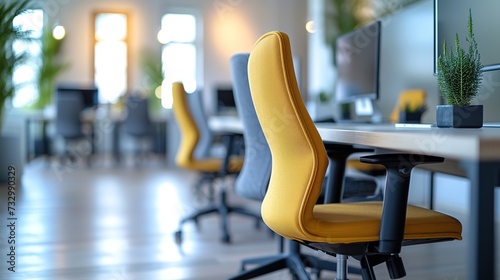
69,106
205,141
137,121
253,178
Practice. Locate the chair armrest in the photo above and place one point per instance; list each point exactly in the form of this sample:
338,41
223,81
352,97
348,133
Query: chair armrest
395,201
337,157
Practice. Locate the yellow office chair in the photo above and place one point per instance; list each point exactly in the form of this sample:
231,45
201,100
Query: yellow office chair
412,98
372,232
210,168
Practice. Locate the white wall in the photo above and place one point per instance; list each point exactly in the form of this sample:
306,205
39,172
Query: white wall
77,17
321,71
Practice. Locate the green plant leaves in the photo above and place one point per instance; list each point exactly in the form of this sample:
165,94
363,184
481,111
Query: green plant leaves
49,68
460,72
8,58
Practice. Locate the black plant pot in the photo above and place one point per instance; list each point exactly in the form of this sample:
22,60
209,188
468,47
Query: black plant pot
410,117
459,116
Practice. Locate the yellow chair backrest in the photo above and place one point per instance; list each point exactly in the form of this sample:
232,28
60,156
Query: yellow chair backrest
187,125
414,98
299,159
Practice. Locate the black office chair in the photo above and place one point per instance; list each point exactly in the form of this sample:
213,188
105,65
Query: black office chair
138,125
77,142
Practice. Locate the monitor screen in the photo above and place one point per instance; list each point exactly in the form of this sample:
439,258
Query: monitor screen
90,95
357,58
225,100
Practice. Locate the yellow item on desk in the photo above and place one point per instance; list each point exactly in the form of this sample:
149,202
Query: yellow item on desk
412,98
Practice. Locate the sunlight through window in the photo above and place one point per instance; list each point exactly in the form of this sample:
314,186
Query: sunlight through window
110,56
179,54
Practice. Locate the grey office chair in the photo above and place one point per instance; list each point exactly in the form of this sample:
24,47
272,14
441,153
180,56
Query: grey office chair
206,138
69,106
253,180
138,125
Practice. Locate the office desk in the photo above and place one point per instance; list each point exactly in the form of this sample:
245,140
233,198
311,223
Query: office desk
108,125
231,124
477,151
158,136
35,147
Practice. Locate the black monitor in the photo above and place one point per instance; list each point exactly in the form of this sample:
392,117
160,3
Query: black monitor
225,100
357,60
90,95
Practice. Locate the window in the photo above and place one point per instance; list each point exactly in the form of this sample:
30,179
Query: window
26,74
110,56
179,53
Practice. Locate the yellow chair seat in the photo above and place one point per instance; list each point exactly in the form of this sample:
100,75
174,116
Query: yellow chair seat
360,222
212,164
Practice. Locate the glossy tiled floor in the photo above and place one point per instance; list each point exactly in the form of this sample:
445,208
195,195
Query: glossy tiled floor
112,223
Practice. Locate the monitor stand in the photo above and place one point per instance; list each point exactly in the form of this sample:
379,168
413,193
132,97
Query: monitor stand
367,108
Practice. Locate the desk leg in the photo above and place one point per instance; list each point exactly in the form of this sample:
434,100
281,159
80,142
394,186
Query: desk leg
431,190
45,140
27,132
481,241
116,143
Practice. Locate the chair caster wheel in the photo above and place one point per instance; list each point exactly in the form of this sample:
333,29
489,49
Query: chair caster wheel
178,237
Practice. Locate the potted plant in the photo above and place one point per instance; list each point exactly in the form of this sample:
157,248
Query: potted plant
459,77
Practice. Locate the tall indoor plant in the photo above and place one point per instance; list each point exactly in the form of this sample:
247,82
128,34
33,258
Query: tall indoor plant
49,68
10,145
153,72
8,58
459,75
